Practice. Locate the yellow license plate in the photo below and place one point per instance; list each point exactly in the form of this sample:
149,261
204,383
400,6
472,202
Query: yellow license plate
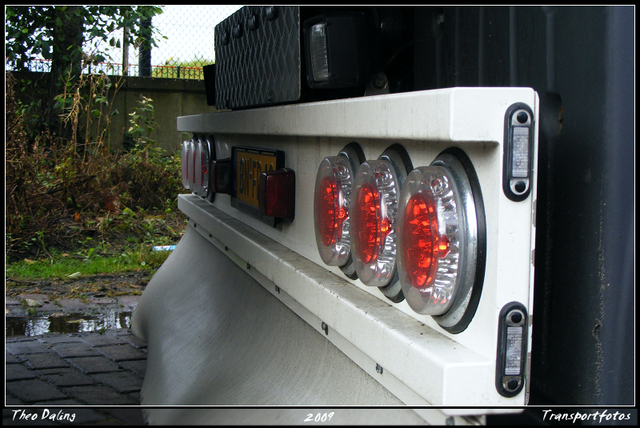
249,164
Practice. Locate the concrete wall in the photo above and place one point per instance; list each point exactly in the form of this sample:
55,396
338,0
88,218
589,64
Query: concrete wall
170,98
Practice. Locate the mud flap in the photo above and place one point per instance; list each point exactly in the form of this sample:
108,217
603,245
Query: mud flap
215,336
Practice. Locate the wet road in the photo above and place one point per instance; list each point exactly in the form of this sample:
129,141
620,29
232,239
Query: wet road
72,359
90,377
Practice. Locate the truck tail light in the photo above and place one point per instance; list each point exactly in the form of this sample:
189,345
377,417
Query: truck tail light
372,225
318,53
332,203
276,193
340,49
204,168
421,237
197,168
331,210
374,217
191,157
441,242
374,220
184,156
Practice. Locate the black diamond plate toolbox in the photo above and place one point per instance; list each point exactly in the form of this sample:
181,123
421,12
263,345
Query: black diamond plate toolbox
258,57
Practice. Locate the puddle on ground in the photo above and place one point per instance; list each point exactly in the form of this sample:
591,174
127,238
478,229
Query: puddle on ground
67,323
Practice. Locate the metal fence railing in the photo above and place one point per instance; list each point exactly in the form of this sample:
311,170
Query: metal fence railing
117,69
185,43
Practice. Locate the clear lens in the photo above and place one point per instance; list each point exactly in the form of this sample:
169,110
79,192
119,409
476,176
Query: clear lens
520,163
204,169
331,210
191,165
184,155
197,168
435,233
374,215
319,57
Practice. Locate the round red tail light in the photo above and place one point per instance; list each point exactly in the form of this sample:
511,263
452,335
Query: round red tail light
442,241
374,220
373,225
420,238
331,211
332,198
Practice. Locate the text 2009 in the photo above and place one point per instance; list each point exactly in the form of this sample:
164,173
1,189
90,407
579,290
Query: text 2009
320,417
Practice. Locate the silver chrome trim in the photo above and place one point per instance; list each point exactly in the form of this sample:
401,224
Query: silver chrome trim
469,257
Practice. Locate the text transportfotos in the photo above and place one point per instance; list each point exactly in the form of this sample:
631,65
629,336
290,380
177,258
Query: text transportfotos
597,416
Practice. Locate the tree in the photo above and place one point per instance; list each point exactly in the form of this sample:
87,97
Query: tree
62,34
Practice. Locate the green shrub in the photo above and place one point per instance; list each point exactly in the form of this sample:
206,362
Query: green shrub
61,191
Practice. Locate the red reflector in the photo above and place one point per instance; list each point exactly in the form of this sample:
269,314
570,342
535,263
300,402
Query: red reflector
276,193
421,240
330,214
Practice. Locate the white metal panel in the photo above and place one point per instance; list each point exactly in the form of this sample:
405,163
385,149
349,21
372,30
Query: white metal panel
420,357
217,337
452,114
461,367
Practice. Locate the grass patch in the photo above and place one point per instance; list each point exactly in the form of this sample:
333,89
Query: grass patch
61,265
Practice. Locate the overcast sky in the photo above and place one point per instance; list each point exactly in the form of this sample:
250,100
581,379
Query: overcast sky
189,30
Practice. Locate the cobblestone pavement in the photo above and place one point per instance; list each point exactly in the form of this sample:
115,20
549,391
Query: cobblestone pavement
101,372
